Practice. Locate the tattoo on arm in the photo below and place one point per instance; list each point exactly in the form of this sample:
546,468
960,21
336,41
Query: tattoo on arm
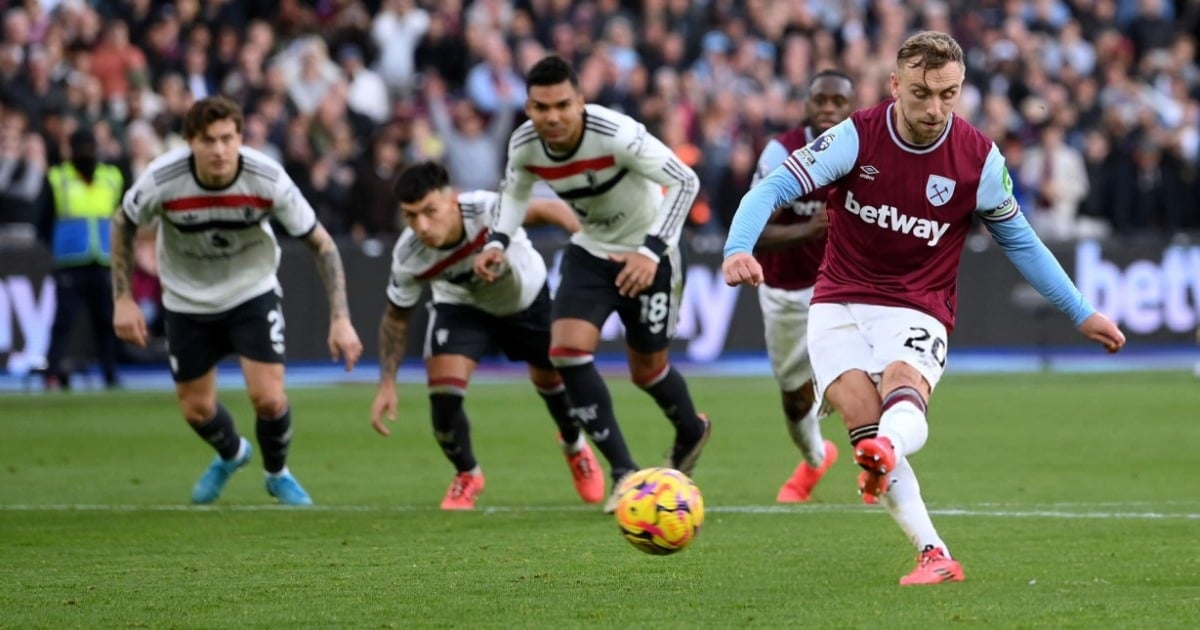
122,254
393,333
329,264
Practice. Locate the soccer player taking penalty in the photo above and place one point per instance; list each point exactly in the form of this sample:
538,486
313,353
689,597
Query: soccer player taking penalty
908,176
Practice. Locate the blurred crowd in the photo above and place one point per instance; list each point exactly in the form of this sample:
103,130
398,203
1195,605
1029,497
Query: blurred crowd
1093,102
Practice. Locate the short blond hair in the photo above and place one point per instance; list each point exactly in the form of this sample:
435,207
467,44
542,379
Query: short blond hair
929,50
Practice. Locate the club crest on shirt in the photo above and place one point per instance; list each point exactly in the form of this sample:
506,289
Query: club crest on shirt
939,190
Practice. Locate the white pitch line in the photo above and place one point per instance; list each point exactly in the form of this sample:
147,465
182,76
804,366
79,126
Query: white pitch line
976,512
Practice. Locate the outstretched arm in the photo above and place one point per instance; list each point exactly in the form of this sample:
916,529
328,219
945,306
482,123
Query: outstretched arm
343,340
1003,219
393,331
128,321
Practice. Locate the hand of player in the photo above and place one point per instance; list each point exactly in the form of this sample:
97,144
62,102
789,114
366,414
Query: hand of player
384,407
742,268
128,322
637,274
819,224
488,263
343,342
1103,331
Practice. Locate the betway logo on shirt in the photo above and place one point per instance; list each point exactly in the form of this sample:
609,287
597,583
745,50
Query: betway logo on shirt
890,218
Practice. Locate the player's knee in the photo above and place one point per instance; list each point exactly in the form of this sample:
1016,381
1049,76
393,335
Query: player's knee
197,409
648,369
545,380
564,357
269,405
901,374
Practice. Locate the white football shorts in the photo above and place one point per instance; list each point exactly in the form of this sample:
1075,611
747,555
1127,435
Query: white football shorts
785,325
844,337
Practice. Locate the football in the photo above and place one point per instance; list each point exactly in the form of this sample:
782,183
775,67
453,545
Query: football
660,510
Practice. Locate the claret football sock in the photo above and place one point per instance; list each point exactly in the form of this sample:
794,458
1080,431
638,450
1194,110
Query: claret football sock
903,420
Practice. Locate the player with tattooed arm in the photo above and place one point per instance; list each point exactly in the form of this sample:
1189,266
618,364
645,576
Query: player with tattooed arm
212,202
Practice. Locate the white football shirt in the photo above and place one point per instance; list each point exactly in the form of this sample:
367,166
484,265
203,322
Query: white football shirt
216,248
615,180
449,270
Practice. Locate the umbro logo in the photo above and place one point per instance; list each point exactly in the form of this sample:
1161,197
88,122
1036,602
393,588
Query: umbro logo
868,172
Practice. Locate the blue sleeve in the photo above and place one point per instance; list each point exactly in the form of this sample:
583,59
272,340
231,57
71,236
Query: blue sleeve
825,160
772,156
1039,266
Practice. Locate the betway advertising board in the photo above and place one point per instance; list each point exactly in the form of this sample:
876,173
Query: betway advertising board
1151,288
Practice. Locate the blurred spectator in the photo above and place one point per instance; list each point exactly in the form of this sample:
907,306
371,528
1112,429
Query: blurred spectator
474,152
1056,173
309,73
22,171
493,83
200,83
367,93
443,50
371,211
116,62
397,30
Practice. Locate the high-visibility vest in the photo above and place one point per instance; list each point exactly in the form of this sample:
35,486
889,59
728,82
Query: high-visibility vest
83,224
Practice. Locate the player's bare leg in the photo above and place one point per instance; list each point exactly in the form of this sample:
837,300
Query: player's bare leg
854,395
654,374
273,427
213,423
448,375
804,427
572,343
585,470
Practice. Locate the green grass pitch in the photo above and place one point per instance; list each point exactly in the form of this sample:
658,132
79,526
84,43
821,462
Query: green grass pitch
1072,501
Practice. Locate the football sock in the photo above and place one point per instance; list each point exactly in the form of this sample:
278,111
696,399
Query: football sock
593,408
806,433
865,432
670,391
274,437
559,407
904,503
903,420
452,430
220,432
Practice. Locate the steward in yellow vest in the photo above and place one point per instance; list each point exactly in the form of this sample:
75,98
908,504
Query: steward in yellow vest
85,193
82,194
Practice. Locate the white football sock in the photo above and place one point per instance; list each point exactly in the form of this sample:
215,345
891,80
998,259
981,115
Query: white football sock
905,425
903,501
807,436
